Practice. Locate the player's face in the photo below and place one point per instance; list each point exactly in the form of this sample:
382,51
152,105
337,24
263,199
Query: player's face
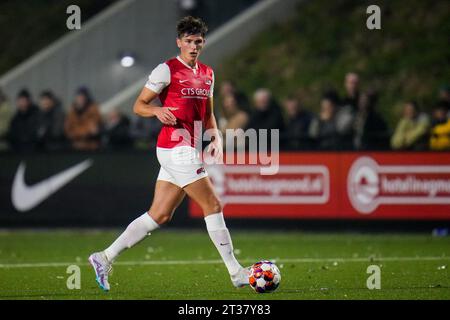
190,47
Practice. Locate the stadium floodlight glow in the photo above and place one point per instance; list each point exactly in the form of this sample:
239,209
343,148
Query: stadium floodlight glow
127,61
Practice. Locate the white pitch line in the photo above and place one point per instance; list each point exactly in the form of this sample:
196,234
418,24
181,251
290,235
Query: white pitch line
178,262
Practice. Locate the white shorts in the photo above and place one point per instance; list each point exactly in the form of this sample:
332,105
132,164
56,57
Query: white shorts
180,165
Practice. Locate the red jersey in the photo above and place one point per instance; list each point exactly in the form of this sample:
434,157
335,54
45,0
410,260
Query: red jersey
186,88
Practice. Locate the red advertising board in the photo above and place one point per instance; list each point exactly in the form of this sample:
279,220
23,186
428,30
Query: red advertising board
337,186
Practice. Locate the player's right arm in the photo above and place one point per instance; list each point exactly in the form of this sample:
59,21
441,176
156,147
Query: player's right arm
157,81
145,108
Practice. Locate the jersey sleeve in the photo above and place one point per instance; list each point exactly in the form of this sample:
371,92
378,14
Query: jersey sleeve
211,90
159,78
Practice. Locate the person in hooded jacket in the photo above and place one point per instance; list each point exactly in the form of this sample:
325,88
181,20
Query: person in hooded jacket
23,130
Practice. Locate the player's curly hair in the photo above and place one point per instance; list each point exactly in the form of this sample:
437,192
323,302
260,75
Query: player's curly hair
190,25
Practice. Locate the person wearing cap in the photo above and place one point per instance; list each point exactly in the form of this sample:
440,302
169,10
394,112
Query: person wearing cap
444,98
22,133
440,130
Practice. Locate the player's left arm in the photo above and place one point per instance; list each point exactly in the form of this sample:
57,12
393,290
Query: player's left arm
216,146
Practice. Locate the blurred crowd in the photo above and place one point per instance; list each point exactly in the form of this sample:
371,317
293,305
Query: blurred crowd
348,122
46,125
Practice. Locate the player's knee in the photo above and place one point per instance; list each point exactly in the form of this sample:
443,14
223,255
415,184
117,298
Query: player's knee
165,219
213,206
161,217
218,207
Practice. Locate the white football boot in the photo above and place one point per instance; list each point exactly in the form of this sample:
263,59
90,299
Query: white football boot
240,279
102,268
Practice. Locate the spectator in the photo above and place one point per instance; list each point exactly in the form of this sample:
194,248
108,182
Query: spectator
345,117
444,98
22,133
440,131
233,117
83,123
266,113
351,84
412,129
117,130
6,114
323,129
295,136
371,131
144,132
51,122
227,88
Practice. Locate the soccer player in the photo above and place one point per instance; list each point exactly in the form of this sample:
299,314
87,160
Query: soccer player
185,89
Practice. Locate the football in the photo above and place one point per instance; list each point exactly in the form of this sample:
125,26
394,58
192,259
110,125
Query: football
264,276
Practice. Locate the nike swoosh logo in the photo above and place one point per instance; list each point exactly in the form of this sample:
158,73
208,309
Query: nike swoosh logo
25,197
223,244
182,81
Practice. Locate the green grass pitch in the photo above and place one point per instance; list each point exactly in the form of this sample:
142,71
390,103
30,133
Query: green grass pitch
180,264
